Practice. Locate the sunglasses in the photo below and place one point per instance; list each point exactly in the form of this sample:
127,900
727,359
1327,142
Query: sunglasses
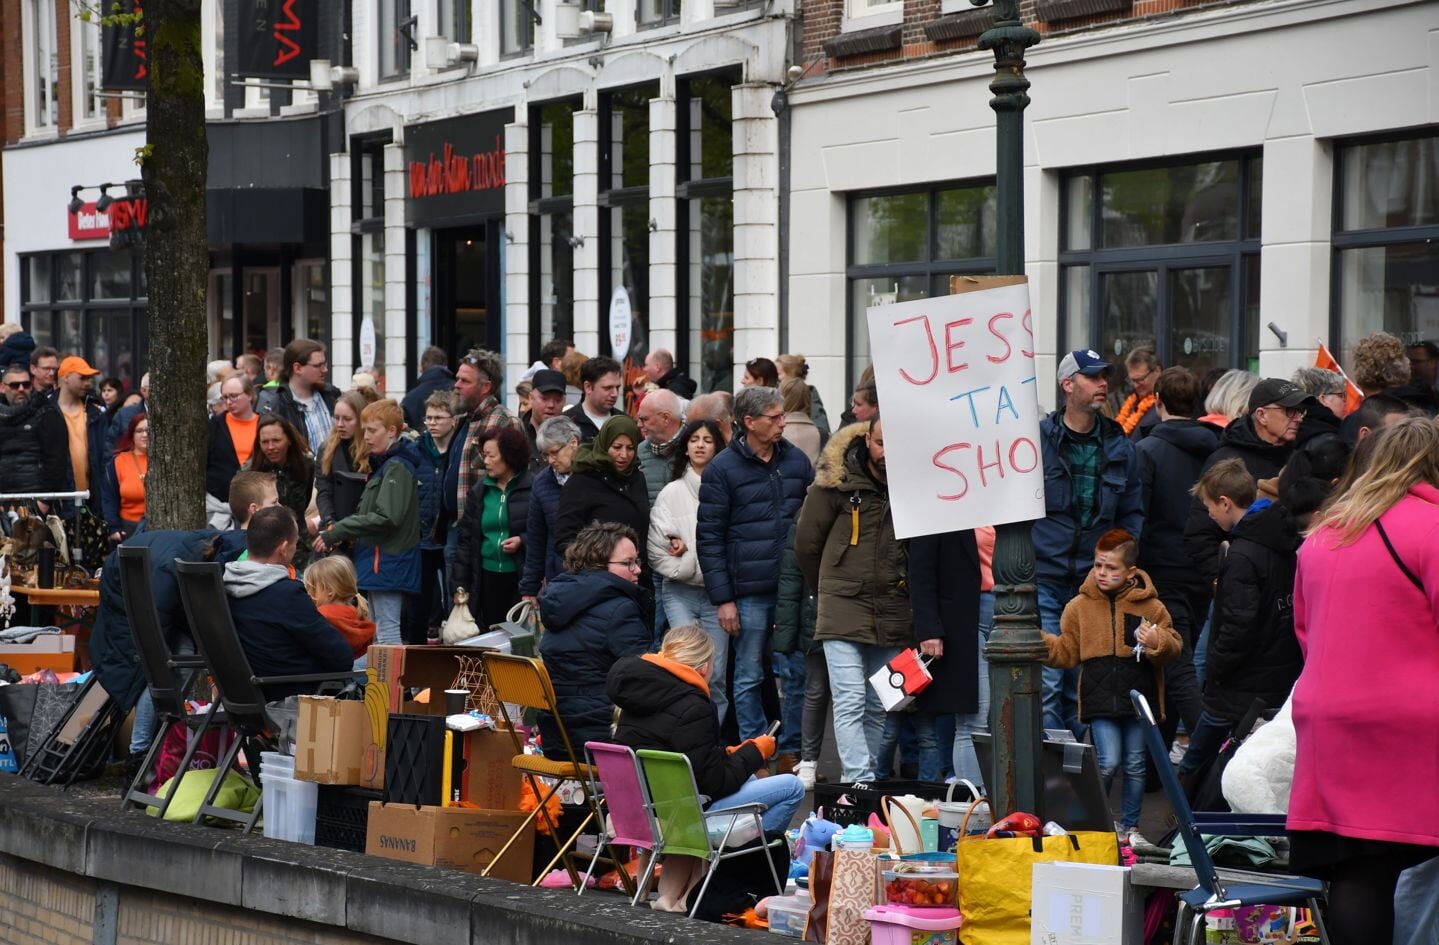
18,385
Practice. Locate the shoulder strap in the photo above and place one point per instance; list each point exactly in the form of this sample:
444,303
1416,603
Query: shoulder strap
1413,579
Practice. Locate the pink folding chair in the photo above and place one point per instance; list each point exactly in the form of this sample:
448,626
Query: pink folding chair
627,801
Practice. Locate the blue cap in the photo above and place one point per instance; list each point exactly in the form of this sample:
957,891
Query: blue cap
1083,361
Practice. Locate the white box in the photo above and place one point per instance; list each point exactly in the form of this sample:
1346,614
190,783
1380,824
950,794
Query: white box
1084,904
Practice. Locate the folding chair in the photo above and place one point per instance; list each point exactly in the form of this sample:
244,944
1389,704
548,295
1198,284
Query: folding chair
168,687
683,824
523,681
627,801
202,592
1214,892
78,745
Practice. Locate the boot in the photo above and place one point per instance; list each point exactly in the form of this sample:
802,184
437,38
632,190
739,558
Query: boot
784,764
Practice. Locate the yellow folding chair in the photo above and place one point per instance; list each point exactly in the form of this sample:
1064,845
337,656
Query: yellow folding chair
524,682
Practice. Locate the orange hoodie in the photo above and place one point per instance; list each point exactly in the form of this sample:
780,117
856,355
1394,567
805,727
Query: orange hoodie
357,632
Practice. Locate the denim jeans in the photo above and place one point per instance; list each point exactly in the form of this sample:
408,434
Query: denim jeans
816,704
387,609
1061,686
931,762
966,726
790,668
1119,741
756,619
1205,742
858,713
662,620
780,793
142,732
688,603
1201,649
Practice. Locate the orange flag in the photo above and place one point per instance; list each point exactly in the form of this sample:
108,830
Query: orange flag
1353,397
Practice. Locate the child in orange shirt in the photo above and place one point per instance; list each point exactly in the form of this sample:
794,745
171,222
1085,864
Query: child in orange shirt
332,585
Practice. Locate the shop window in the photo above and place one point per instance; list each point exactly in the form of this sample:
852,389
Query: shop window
88,303
85,68
705,170
905,245
552,231
517,26
657,12
624,199
455,20
1386,240
397,35
368,253
42,65
1164,256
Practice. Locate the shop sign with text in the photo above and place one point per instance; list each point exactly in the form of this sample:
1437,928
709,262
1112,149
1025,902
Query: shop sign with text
455,168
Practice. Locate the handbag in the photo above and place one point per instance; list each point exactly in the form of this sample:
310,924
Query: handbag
460,625
854,889
995,878
821,880
901,679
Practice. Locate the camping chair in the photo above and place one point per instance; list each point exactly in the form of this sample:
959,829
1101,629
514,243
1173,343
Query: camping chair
523,681
1214,892
167,686
78,745
627,801
684,826
202,591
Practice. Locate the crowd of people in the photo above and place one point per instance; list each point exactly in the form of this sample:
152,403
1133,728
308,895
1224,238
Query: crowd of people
712,564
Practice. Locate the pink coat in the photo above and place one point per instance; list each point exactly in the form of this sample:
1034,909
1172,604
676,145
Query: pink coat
1366,707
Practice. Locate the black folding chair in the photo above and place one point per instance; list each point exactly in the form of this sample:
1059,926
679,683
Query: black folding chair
168,685
77,747
202,591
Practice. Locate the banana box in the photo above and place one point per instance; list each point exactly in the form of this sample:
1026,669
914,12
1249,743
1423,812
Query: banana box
330,740
409,679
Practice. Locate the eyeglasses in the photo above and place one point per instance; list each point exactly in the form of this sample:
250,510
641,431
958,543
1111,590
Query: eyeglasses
1141,378
438,419
771,416
233,396
632,564
1290,412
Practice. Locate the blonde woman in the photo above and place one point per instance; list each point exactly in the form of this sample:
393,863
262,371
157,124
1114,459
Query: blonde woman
344,462
793,365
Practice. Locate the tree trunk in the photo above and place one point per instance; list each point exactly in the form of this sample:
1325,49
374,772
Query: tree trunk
177,264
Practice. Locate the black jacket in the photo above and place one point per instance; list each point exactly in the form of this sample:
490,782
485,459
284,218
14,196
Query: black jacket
661,711
603,497
588,430
281,402
1170,459
337,493
679,382
944,579
1202,537
433,379
1318,420
468,560
1419,395
34,447
592,619
221,461
1253,652
16,349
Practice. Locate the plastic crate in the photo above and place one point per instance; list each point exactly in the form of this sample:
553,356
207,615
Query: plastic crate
847,803
414,759
342,816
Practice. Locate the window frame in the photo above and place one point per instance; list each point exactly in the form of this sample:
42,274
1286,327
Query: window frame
461,26
524,9
540,207
37,44
87,305
672,11
387,20
611,199
80,30
363,148
866,17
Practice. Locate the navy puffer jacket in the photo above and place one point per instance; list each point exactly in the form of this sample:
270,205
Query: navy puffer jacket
746,509
591,618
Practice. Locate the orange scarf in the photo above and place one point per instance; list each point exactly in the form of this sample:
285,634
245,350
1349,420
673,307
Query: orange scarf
1131,413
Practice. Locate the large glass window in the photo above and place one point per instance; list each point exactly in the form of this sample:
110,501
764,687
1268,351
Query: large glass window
43,65
368,245
85,66
1164,256
455,20
89,303
552,230
625,211
906,245
657,12
397,31
705,170
1386,240
517,26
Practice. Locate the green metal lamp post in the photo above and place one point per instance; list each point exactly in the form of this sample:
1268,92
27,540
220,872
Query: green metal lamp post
1015,647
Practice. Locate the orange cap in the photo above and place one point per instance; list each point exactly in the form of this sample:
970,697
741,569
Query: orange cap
76,365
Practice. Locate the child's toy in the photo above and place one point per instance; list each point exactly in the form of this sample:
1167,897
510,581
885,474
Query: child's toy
814,834
880,831
902,925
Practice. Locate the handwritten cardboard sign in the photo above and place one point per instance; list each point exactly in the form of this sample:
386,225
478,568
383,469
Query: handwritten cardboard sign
957,389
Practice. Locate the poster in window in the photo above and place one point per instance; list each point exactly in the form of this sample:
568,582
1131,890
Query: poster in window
125,59
278,38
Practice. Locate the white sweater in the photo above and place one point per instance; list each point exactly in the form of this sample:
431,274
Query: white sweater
675,514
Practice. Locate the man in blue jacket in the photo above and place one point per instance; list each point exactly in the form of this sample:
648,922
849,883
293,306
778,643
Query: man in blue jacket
749,497
1091,484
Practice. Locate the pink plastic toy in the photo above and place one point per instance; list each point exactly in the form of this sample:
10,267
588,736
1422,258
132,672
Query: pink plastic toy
903,925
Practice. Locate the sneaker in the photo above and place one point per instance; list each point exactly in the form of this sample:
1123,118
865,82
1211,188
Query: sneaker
1135,839
805,772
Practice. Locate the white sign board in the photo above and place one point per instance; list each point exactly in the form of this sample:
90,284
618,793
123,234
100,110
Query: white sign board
367,343
956,383
620,323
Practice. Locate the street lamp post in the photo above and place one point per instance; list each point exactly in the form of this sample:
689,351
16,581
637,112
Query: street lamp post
1015,647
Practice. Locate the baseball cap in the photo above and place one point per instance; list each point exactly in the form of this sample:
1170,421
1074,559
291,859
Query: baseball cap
1274,391
76,365
548,381
1083,361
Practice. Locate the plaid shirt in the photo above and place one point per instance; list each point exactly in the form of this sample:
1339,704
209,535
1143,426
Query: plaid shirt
489,415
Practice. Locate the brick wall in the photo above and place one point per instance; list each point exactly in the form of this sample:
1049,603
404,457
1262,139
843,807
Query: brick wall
12,85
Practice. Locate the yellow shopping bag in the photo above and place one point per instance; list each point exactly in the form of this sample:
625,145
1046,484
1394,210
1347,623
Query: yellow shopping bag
995,879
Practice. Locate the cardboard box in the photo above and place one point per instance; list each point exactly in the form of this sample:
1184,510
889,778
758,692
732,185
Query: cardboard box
459,838
1084,904
394,672
55,651
330,740
489,780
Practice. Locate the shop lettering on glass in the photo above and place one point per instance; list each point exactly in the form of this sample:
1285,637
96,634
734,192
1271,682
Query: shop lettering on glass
454,172
957,385
278,38
455,169
125,56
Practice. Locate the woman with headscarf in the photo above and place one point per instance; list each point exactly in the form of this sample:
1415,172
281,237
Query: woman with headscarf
606,485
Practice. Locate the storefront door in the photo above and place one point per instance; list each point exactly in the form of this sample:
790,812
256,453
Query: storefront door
467,288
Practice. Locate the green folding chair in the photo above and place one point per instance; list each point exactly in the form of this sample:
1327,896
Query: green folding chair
685,829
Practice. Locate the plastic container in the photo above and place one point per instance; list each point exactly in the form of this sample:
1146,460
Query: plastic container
787,915
921,885
854,837
901,925
343,816
288,805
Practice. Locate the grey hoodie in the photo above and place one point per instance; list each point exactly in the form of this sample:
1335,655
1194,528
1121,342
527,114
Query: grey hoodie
245,578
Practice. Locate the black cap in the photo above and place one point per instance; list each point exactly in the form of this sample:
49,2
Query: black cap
549,382
1273,391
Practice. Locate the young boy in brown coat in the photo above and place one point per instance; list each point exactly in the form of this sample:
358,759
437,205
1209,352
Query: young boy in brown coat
1120,636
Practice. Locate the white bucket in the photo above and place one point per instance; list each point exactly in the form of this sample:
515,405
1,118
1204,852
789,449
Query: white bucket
952,814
